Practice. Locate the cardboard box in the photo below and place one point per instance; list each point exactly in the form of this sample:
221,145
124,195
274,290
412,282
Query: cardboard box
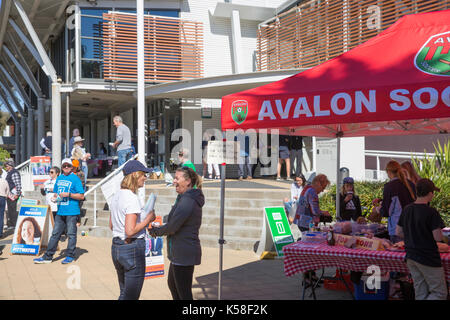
361,242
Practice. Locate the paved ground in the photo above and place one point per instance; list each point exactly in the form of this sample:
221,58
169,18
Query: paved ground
245,277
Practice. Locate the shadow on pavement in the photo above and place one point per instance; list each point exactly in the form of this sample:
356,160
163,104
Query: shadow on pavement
262,279
78,252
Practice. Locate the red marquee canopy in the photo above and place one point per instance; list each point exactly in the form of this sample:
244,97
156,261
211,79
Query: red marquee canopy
396,83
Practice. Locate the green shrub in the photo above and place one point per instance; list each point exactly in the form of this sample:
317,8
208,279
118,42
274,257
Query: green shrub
367,191
437,169
4,155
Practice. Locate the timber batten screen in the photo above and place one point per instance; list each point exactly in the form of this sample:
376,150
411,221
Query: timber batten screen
316,31
173,48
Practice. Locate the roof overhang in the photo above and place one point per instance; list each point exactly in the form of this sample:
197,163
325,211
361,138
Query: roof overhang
216,87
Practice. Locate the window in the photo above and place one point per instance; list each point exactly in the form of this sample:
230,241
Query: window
165,13
92,38
91,42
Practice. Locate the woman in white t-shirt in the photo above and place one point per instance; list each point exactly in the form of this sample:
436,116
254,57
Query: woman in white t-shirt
128,222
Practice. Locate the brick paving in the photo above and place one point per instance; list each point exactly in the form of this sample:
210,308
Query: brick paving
245,277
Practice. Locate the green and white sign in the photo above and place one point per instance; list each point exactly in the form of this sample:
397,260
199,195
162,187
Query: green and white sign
279,228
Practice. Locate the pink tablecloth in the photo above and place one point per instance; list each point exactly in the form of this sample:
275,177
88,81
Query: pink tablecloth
301,257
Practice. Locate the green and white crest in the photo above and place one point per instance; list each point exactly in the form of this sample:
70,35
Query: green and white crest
434,56
239,111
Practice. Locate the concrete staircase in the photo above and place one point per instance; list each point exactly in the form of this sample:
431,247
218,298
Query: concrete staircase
243,213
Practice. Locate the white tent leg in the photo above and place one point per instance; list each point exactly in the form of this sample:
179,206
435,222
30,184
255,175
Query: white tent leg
338,178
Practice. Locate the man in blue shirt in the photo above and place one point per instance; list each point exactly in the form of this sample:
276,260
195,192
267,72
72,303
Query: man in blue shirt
69,192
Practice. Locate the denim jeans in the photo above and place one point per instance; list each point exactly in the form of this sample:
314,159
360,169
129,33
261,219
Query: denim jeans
247,164
129,261
60,226
2,213
296,154
124,155
85,171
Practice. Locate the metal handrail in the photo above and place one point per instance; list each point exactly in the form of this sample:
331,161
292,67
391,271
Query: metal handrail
394,154
26,175
108,177
23,164
397,154
102,182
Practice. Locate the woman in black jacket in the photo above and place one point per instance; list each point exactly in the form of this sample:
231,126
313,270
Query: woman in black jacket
350,203
182,231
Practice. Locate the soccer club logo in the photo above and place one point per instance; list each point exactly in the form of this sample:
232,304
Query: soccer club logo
239,111
434,57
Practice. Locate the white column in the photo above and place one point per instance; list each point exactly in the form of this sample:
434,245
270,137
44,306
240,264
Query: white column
93,149
77,44
56,123
338,178
140,82
236,41
67,123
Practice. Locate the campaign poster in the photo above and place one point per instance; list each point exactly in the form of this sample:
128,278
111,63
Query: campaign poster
30,230
40,169
154,257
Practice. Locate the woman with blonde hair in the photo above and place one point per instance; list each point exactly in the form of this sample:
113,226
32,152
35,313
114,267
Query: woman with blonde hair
411,173
127,222
397,193
182,231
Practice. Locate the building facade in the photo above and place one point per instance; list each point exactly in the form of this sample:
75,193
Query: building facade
91,47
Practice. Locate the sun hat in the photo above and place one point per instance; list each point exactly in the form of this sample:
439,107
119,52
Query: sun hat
133,166
77,139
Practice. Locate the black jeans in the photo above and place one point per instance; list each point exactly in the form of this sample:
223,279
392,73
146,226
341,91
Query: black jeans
180,282
129,261
2,212
12,212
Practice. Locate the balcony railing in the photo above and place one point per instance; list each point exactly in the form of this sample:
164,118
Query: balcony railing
318,30
173,48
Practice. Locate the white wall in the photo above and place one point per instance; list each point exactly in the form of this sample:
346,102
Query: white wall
352,156
127,118
102,132
217,37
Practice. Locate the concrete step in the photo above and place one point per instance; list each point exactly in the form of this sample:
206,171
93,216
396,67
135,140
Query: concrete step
229,193
253,233
236,243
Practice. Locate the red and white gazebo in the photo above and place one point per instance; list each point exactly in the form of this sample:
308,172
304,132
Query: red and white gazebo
397,83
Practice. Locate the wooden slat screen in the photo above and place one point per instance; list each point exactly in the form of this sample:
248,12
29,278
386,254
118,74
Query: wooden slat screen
173,48
318,30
